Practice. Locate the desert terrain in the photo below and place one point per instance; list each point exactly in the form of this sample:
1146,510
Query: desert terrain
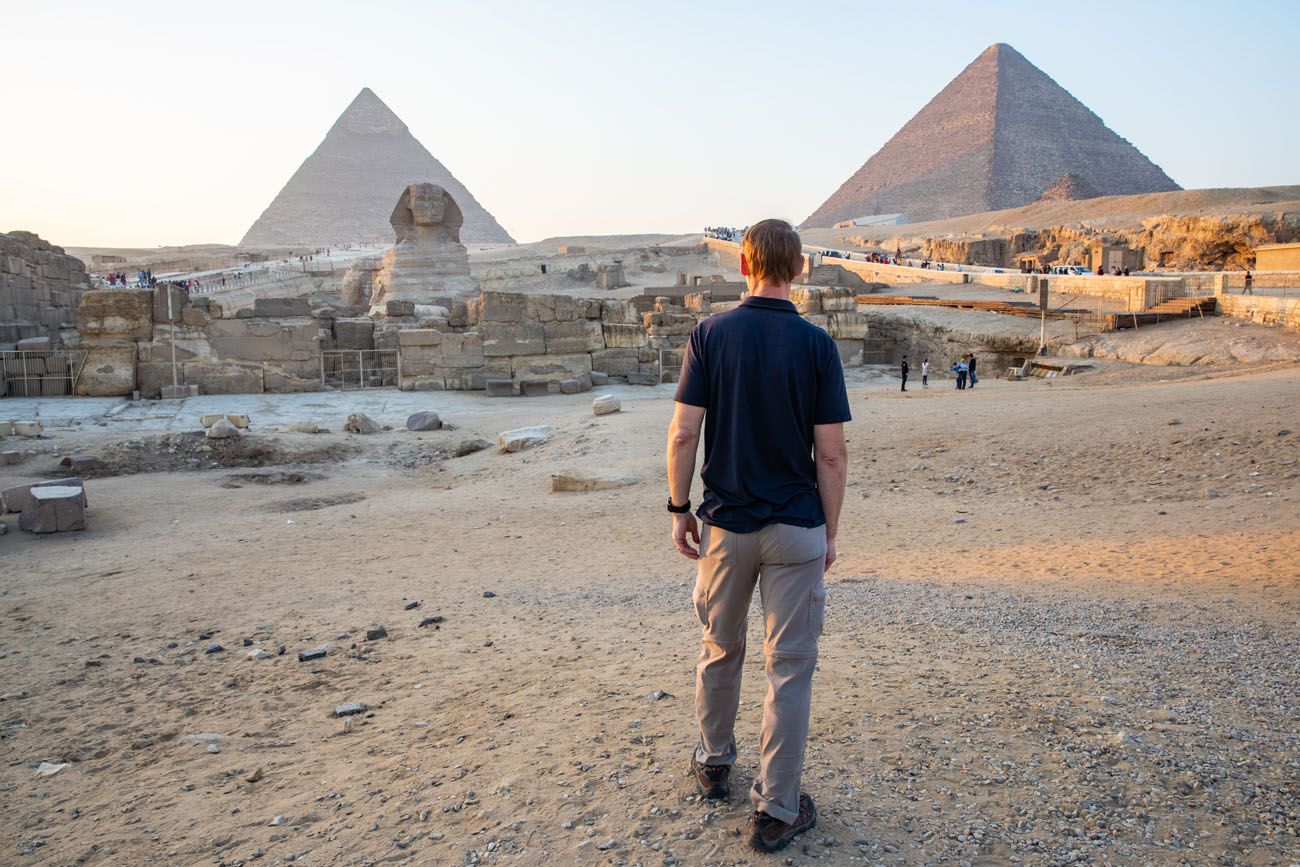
1063,629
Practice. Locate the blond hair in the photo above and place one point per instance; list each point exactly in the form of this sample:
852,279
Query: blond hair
773,250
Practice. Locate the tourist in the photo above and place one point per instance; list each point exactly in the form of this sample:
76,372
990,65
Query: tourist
902,369
1248,290
971,361
961,369
925,373
771,386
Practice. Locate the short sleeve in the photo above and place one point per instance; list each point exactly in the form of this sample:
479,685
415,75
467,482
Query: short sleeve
693,386
832,406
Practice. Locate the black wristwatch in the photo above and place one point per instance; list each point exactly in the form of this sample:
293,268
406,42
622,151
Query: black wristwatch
679,510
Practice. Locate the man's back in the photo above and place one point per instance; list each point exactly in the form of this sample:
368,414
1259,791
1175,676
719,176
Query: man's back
766,377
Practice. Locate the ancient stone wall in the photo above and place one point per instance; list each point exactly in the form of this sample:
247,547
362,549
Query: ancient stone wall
39,288
1264,309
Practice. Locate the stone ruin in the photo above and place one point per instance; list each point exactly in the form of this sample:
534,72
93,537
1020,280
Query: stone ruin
40,286
427,258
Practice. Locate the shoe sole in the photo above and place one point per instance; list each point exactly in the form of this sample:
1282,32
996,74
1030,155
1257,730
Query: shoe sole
756,841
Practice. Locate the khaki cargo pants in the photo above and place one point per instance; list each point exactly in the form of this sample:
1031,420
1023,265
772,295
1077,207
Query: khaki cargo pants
787,563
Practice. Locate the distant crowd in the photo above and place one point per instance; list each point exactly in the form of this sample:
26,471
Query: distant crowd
963,369
724,233
143,279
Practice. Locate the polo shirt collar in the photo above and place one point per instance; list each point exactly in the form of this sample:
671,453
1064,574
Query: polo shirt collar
769,303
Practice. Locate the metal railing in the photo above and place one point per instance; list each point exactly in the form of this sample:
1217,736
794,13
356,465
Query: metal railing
359,368
40,372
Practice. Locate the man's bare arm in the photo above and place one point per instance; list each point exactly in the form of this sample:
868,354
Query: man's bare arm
831,456
683,442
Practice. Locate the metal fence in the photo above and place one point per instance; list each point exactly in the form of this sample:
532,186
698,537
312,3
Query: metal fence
359,368
40,373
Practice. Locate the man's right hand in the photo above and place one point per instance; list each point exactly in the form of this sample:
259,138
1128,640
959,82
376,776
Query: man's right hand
830,553
683,526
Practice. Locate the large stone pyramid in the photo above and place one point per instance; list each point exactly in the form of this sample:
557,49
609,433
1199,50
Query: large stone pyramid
344,192
996,137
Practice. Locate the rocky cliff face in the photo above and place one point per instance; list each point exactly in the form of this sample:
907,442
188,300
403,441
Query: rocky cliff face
40,286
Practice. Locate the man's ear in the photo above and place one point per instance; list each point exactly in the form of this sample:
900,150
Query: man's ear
744,266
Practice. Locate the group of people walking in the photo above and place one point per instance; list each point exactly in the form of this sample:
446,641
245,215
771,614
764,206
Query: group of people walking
963,369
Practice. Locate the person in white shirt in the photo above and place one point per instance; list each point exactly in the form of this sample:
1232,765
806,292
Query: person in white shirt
925,373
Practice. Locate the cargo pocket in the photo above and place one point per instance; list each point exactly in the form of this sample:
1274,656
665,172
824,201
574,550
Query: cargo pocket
817,611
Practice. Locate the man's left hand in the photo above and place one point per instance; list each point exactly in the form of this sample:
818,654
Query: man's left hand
685,525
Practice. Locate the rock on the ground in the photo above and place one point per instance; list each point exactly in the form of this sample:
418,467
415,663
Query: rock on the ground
524,438
581,482
307,427
27,428
423,421
606,404
359,423
222,429
468,447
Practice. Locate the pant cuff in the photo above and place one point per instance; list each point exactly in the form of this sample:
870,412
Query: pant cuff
773,809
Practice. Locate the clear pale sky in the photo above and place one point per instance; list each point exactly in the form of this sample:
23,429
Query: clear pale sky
146,123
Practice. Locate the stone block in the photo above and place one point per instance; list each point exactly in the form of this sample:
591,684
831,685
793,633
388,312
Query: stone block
463,350
497,307
506,339
33,344
623,335
360,423
108,371
838,299
6,428
500,387
353,333
54,509
178,392
534,387
193,317
618,312
262,340
570,386
287,380
669,324
821,320
850,352
27,428
9,458
550,367
565,337
642,378
806,299
16,498
599,378
615,362
223,377
606,404
847,326
467,378
398,307
523,438
221,430
419,337
116,312
281,308
553,308
179,297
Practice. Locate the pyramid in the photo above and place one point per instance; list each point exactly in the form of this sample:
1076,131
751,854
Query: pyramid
996,137
344,192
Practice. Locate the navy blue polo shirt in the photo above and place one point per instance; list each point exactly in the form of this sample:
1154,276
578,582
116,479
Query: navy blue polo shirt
765,376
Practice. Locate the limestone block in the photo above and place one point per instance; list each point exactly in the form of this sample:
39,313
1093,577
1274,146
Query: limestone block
565,337
606,404
108,371
615,362
27,428
523,438
623,335
353,333
16,498
221,429
221,377
240,421
847,326
9,458
669,324
850,351
180,299
194,317
502,339
617,312
419,337
589,308
497,307
699,303
534,387
467,378
262,339
279,379
579,482
598,377
431,381
398,307
570,386
6,428
360,423
500,387
54,509
33,344
551,308
268,308
116,312
642,378
806,299
466,349
838,299
549,367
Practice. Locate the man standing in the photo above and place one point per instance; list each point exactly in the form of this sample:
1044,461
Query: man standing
768,388
925,373
903,368
971,361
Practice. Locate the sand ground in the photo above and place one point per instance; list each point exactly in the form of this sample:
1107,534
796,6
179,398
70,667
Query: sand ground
1063,629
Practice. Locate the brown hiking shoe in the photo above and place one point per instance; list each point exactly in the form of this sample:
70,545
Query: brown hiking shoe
713,780
773,835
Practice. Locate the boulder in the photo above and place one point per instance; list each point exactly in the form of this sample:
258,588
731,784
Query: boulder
423,421
524,438
582,482
606,404
360,423
222,429
469,447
